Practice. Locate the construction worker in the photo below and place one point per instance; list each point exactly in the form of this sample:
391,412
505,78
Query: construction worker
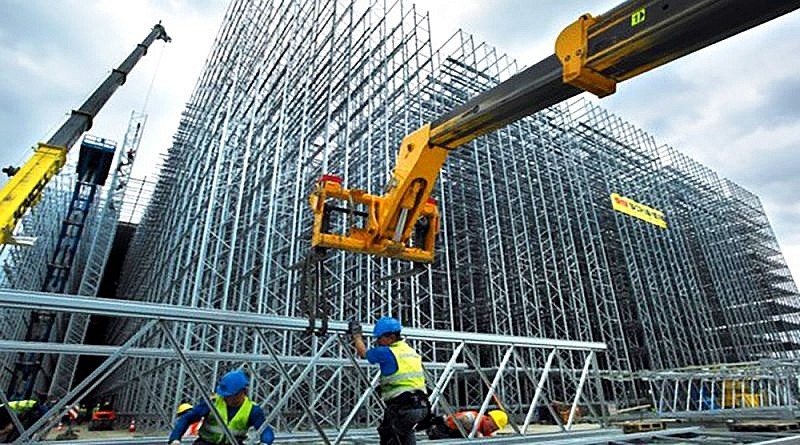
235,408
444,427
194,428
27,411
83,413
402,383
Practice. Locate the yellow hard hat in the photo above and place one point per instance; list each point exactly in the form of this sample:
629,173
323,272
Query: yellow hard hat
500,418
183,407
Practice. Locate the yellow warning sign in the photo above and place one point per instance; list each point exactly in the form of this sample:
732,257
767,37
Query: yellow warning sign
637,210
638,16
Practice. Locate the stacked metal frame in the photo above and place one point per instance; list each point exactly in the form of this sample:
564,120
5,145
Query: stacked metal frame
530,246
24,267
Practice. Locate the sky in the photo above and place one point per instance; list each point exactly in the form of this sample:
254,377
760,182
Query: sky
732,106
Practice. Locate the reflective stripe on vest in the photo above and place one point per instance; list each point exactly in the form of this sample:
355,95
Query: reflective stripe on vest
409,376
212,432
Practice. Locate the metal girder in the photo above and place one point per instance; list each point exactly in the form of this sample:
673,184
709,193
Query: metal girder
98,350
96,376
118,308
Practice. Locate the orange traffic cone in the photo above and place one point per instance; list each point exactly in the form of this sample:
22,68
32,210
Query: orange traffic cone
132,426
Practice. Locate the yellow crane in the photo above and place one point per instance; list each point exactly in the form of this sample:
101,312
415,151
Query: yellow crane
591,54
24,189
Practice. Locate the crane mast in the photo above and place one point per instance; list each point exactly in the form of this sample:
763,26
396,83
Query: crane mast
24,189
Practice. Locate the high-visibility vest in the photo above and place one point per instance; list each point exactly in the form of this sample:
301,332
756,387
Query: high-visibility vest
212,432
20,406
409,376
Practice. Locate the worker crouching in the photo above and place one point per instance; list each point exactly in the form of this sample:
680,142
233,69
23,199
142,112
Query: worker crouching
402,382
446,427
233,406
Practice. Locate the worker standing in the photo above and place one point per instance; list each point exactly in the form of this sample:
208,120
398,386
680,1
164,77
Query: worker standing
236,409
402,381
27,411
445,427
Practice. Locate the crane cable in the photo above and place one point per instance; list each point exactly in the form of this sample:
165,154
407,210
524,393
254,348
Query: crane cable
153,79
24,153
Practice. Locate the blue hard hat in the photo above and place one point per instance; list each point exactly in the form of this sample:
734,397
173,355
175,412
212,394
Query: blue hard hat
231,383
386,325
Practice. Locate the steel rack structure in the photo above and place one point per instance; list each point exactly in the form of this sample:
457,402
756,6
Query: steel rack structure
301,391
25,269
530,245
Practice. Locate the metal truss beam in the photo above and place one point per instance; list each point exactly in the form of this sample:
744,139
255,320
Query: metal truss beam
133,309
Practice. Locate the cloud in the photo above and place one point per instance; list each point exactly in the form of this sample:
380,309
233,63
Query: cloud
54,54
732,106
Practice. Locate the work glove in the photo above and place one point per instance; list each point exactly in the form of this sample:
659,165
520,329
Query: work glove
354,328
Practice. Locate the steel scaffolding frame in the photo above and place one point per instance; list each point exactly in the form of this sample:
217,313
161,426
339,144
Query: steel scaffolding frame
23,267
530,245
291,386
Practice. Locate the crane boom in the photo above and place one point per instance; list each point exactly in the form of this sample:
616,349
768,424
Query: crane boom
24,189
591,54
594,54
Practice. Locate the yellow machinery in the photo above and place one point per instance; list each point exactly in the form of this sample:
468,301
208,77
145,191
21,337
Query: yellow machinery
24,189
592,54
739,394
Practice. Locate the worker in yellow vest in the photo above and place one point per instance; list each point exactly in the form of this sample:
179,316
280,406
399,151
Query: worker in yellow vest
402,381
236,409
27,411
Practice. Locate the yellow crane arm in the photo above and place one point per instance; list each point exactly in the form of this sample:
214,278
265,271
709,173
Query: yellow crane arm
24,189
592,54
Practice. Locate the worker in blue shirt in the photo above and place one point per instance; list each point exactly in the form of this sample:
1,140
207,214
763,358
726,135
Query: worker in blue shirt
235,408
402,382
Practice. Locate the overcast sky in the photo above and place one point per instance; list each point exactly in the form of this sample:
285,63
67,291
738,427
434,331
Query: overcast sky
733,106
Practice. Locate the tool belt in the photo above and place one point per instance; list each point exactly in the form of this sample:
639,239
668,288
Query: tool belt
413,399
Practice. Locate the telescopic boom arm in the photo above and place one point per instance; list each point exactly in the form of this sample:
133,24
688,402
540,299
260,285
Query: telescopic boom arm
592,54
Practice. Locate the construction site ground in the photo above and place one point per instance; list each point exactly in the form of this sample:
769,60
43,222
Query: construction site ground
745,432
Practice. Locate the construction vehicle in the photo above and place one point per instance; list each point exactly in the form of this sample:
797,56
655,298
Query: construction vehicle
103,419
24,189
592,54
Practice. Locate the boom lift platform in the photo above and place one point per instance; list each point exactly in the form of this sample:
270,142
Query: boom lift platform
592,54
